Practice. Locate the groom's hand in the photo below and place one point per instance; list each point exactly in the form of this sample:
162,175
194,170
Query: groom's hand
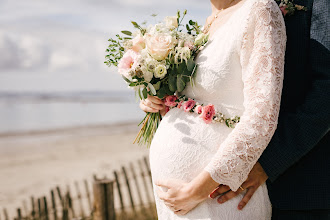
256,178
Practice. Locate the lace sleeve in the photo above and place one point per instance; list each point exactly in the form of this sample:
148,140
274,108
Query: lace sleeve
262,60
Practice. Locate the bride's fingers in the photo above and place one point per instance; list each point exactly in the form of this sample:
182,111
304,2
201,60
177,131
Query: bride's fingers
172,208
146,108
181,212
150,103
163,196
156,100
248,195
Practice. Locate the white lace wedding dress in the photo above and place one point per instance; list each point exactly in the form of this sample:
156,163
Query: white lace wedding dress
241,72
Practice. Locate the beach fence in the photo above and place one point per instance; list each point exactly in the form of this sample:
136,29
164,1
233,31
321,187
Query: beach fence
124,194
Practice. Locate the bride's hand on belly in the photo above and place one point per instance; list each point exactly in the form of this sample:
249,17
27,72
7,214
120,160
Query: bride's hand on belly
181,197
153,104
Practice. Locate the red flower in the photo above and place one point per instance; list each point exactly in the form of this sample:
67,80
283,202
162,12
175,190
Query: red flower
284,10
188,105
170,101
207,113
167,109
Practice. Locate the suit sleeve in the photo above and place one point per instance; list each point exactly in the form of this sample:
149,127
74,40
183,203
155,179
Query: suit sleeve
299,132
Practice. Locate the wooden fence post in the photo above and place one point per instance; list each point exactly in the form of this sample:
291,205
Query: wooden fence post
33,212
122,207
136,184
70,202
129,188
5,214
19,214
45,208
146,187
39,209
53,204
88,196
148,168
104,200
82,214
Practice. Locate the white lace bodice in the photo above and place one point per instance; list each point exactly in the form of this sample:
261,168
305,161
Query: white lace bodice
241,72
244,77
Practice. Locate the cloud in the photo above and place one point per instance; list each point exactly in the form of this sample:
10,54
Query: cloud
58,38
21,52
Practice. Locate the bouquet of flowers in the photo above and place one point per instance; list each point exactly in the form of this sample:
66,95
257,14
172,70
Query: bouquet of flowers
157,60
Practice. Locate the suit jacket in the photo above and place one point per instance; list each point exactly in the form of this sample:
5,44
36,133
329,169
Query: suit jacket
297,160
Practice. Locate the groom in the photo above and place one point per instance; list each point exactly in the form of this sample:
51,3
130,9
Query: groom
297,160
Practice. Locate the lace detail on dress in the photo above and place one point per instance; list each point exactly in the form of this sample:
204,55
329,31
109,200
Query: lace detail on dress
262,60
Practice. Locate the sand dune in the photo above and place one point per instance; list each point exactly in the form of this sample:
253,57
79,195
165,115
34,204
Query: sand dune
31,164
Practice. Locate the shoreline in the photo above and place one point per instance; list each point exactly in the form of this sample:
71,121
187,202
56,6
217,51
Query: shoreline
79,129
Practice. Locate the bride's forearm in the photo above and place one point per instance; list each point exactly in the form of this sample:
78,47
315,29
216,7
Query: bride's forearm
202,185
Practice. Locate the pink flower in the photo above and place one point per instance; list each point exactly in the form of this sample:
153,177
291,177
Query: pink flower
179,104
284,10
199,109
207,113
170,101
167,109
138,43
127,62
188,105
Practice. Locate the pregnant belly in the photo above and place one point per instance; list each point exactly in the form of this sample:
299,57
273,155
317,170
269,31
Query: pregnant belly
183,145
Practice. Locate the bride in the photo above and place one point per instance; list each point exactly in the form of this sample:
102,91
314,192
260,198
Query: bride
240,72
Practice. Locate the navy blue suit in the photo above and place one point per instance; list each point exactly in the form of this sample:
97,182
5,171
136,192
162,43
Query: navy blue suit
297,160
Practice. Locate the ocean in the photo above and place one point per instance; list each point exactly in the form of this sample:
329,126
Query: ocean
26,112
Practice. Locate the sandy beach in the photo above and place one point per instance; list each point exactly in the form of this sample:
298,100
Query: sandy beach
33,163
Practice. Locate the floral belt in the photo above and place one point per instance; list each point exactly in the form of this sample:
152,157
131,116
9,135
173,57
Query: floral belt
207,113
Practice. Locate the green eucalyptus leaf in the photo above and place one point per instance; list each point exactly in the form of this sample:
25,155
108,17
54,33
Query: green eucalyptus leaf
180,83
127,80
157,85
172,82
161,93
145,93
141,97
191,65
181,67
152,88
168,91
127,33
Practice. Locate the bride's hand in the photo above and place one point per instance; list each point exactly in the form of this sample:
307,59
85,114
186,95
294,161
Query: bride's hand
181,197
178,196
153,104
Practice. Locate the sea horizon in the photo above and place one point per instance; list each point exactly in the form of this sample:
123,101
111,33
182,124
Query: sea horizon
26,112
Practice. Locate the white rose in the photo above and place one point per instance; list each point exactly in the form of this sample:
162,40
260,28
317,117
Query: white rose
201,38
160,71
159,45
171,22
147,75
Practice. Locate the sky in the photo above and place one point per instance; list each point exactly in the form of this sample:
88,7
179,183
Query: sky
59,45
